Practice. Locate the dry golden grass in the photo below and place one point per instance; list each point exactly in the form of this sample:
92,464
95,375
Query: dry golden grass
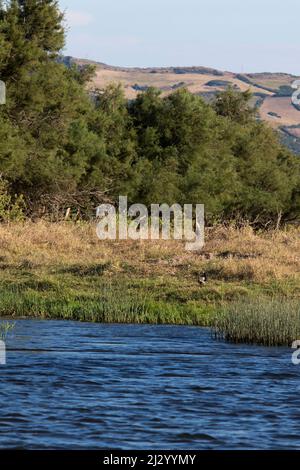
230,255
62,270
195,83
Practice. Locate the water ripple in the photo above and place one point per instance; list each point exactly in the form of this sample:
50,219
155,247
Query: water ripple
73,385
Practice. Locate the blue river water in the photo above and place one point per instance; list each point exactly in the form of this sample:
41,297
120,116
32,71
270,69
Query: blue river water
70,385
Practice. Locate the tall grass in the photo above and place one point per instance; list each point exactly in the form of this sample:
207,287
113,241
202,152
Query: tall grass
107,305
111,304
265,322
5,328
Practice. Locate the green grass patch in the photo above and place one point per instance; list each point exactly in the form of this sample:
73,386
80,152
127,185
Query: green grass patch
105,303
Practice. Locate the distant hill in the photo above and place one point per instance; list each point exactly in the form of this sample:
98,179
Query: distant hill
271,91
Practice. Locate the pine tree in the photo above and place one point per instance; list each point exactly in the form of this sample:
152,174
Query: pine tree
44,99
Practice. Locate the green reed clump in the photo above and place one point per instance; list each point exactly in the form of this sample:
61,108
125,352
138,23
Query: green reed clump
265,322
5,328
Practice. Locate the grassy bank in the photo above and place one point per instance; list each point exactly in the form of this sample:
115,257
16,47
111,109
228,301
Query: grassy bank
63,271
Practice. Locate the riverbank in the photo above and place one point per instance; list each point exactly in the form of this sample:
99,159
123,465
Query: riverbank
63,271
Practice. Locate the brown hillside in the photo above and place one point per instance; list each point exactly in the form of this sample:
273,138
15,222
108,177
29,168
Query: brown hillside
273,108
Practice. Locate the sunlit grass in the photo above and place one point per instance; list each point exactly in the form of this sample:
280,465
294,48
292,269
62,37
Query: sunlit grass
111,304
63,271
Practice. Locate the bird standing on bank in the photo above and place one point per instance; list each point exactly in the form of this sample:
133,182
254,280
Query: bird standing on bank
202,279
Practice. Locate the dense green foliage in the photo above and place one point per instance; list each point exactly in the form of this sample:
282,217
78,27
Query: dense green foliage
61,147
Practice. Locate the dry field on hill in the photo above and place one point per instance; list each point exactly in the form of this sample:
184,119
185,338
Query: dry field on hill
276,110
285,114
168,81
271,80
204,81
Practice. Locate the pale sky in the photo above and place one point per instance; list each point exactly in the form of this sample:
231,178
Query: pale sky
235,35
